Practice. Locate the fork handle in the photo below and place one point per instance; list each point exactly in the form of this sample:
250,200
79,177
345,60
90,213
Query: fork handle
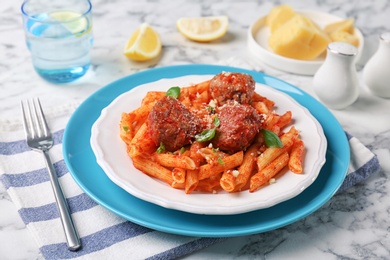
71,235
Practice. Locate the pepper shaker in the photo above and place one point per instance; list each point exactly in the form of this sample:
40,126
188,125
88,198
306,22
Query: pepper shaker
376,74
335,83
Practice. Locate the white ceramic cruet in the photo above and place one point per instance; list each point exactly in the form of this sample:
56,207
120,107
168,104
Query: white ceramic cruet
376,74
335,83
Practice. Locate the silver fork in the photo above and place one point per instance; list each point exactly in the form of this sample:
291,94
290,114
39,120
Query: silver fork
39,138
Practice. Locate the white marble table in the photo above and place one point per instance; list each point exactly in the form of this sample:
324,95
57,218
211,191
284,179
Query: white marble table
352,225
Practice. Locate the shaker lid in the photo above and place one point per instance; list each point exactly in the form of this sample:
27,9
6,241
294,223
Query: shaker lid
342,48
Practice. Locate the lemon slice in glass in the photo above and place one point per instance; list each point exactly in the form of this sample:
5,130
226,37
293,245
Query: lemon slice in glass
72,21
144,44
203,29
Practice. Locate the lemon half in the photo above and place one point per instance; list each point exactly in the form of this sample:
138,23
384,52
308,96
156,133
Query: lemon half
69,20
144,44
203,29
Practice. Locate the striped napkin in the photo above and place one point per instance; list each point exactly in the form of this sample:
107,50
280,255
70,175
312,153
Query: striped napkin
103,234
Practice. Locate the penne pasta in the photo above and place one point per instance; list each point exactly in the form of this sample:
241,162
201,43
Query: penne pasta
211,155
195,89
198,166
191,181
264,176
271,120
272,153
174,161
246,168
260,107
152,97
296,157
138,117
284,120
195,94
228,181
153,169
227,163
178,185
211,185
141,144
195,153
269,103
179,175
126,128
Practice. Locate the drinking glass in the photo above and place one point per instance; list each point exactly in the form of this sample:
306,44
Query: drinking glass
59,37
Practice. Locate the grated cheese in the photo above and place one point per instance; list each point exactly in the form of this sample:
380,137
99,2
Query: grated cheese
213,103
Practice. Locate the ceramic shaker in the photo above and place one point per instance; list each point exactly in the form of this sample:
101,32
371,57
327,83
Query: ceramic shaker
376,74
335,83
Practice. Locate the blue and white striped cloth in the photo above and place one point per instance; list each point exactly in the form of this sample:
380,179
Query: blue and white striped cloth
103,234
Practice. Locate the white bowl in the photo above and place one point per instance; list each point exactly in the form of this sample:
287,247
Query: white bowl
258,45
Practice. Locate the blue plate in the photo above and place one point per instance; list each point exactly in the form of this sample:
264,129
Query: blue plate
82,165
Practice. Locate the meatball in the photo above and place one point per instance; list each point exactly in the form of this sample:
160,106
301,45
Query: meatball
229,85
238,127
172,124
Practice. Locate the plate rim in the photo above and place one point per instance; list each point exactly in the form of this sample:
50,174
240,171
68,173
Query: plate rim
294,66
199,225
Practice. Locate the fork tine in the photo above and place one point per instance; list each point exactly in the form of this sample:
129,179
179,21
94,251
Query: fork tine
42,118
28,120
39,118
34,119
25,124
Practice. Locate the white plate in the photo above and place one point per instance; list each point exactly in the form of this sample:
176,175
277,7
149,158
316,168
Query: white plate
110,152
258,45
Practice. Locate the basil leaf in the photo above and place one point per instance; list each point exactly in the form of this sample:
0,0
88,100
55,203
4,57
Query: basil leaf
271,139
206,135
210,108
173,92
161,148
216,121
220,161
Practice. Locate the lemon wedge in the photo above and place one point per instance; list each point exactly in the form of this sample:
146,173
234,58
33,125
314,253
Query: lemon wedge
70,20
203,29
144,44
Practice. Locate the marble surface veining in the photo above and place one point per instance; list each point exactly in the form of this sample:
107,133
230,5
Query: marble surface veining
352,225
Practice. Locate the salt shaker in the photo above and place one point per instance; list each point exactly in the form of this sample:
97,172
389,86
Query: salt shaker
376,74
335,83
